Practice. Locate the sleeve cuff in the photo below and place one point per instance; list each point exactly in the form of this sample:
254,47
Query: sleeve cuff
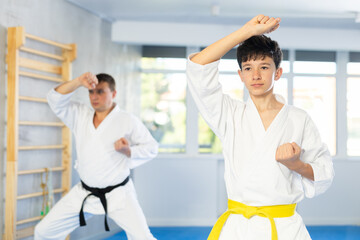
56,96
196,65
134,153
309,187
321,182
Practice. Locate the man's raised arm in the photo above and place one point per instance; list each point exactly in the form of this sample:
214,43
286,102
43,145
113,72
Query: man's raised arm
87,80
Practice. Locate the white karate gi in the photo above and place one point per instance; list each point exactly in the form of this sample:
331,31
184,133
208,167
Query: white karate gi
252,175
100,165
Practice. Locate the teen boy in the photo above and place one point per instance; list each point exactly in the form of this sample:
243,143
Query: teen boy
273,153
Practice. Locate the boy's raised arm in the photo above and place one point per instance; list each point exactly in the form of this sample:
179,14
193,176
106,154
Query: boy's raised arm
258,25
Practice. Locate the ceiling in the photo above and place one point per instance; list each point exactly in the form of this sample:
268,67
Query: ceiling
294,13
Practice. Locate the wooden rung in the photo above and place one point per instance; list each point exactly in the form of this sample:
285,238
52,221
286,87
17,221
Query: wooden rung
25,232
29,220
50,124
64,46
32,99
41,147
40,170
40,66
38,194
41,53
39,76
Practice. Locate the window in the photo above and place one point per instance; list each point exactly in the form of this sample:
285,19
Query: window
353,99
353,116
163,95
353,66
315,62
285,66
316,95
281,85
315,91
315,67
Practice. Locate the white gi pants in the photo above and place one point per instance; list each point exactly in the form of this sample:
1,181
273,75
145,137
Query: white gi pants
255,228
123,208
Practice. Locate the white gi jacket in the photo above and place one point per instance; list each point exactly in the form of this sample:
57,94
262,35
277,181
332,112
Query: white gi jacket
99,164
252,175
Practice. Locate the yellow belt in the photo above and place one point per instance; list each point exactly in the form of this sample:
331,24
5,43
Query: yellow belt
270,212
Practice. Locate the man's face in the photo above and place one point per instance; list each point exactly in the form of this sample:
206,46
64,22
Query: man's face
259,75
101,97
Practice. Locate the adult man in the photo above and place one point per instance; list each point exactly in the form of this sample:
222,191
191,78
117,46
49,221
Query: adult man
109,143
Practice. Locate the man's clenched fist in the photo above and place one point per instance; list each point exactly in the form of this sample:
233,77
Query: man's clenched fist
122,146
88,80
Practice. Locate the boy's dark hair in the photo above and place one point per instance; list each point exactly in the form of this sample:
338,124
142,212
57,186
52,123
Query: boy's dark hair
103,77
259,47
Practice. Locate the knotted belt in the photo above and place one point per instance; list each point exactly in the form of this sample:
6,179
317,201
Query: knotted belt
270,212
100,193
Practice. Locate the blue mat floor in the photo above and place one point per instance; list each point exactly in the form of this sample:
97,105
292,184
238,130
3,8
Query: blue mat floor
201,233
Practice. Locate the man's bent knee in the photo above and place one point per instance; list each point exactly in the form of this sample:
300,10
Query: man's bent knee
39,232
42,232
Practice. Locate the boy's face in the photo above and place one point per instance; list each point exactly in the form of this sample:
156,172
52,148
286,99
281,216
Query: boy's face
101,97
259,75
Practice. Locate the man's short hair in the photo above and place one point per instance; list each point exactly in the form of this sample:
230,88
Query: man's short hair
259,47
103,77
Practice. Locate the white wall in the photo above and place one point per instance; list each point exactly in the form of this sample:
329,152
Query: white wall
61,21
179,191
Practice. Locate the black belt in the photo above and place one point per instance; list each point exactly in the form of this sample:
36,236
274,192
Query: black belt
100,193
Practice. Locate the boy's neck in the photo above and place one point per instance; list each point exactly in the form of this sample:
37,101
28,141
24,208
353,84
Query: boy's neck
266,102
